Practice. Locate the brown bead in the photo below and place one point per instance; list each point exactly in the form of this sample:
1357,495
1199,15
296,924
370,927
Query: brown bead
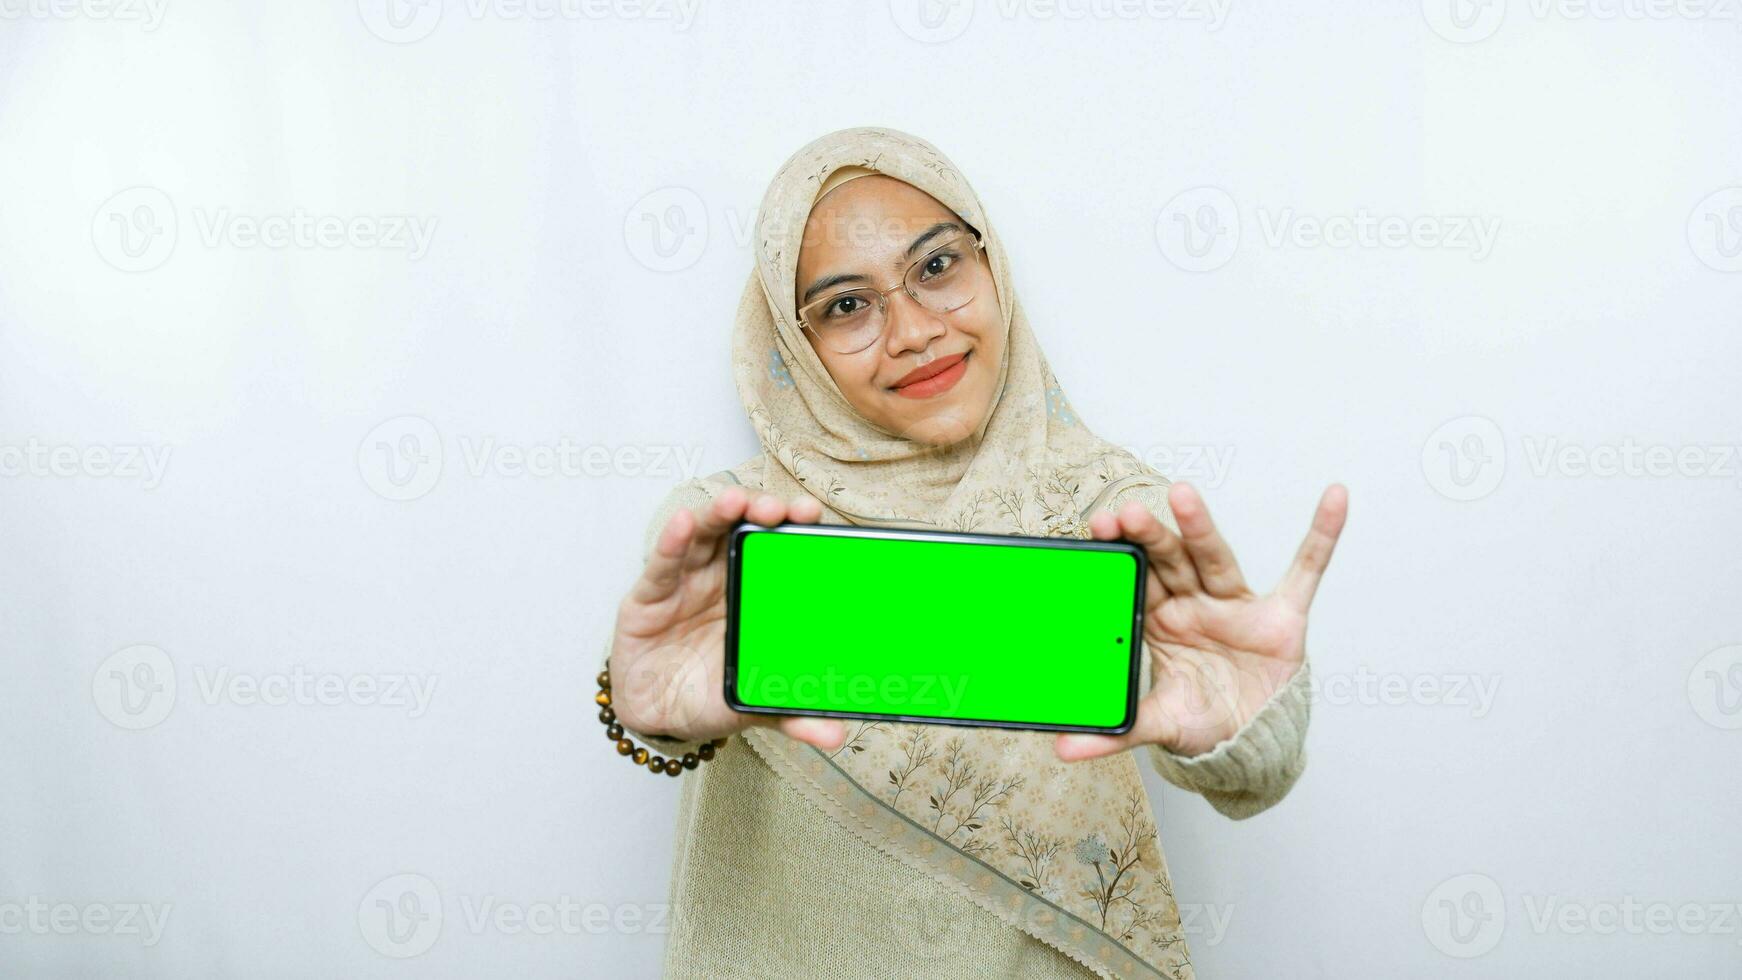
640,757
673,767
689,761
706,751
602,699
624,746
607,715
605,678
614,732
657,763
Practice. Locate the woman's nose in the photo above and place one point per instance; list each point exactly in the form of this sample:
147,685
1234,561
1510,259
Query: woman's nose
911,326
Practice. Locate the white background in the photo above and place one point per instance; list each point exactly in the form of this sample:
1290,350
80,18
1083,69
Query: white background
295,387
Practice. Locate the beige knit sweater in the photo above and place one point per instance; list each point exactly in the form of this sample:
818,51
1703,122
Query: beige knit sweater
765,885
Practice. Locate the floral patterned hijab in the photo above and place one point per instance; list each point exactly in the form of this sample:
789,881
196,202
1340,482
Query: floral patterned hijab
1064,851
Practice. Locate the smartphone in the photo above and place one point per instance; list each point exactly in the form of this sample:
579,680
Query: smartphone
951,628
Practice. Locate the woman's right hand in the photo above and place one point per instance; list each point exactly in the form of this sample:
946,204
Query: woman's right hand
667,658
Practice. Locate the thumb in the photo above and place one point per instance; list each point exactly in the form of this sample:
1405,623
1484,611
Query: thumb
1151,726
823,733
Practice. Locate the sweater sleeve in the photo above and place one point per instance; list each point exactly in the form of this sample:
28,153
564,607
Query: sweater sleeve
1253,769
690,495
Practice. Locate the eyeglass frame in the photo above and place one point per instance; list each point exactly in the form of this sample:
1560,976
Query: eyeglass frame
979,248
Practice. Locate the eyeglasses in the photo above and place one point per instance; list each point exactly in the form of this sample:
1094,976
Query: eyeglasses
943,280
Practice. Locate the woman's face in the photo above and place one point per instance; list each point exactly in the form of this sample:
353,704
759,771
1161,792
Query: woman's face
867,232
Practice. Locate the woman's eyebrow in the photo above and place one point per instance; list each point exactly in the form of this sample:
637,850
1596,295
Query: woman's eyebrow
846,277
931,233
828,281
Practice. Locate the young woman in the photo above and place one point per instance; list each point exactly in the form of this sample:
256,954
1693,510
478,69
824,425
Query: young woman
892,378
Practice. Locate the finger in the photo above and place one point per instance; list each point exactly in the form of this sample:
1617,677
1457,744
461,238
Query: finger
823,733
1150,727
722,514
1301,580
1166,552
1210,553
688,539
664,568
805,510
1103,526
766,509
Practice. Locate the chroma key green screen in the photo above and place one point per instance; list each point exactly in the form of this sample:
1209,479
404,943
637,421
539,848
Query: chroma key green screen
935,627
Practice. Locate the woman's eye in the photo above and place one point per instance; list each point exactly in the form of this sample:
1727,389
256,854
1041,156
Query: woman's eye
937,265
843,307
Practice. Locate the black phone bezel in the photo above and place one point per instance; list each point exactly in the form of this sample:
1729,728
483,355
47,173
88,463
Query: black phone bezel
734,578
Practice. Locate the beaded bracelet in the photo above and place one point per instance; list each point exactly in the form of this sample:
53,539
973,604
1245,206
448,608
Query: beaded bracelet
640,756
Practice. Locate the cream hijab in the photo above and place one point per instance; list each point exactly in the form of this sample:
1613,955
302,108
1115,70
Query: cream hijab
1065,852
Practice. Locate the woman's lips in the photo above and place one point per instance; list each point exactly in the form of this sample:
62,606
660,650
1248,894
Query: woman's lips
937,383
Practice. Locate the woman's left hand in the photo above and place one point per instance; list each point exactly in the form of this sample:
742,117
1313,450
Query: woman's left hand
1218,650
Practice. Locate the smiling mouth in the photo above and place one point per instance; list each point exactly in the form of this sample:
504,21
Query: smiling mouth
935,378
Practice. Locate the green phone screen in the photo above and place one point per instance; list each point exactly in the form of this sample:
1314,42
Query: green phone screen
935,628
